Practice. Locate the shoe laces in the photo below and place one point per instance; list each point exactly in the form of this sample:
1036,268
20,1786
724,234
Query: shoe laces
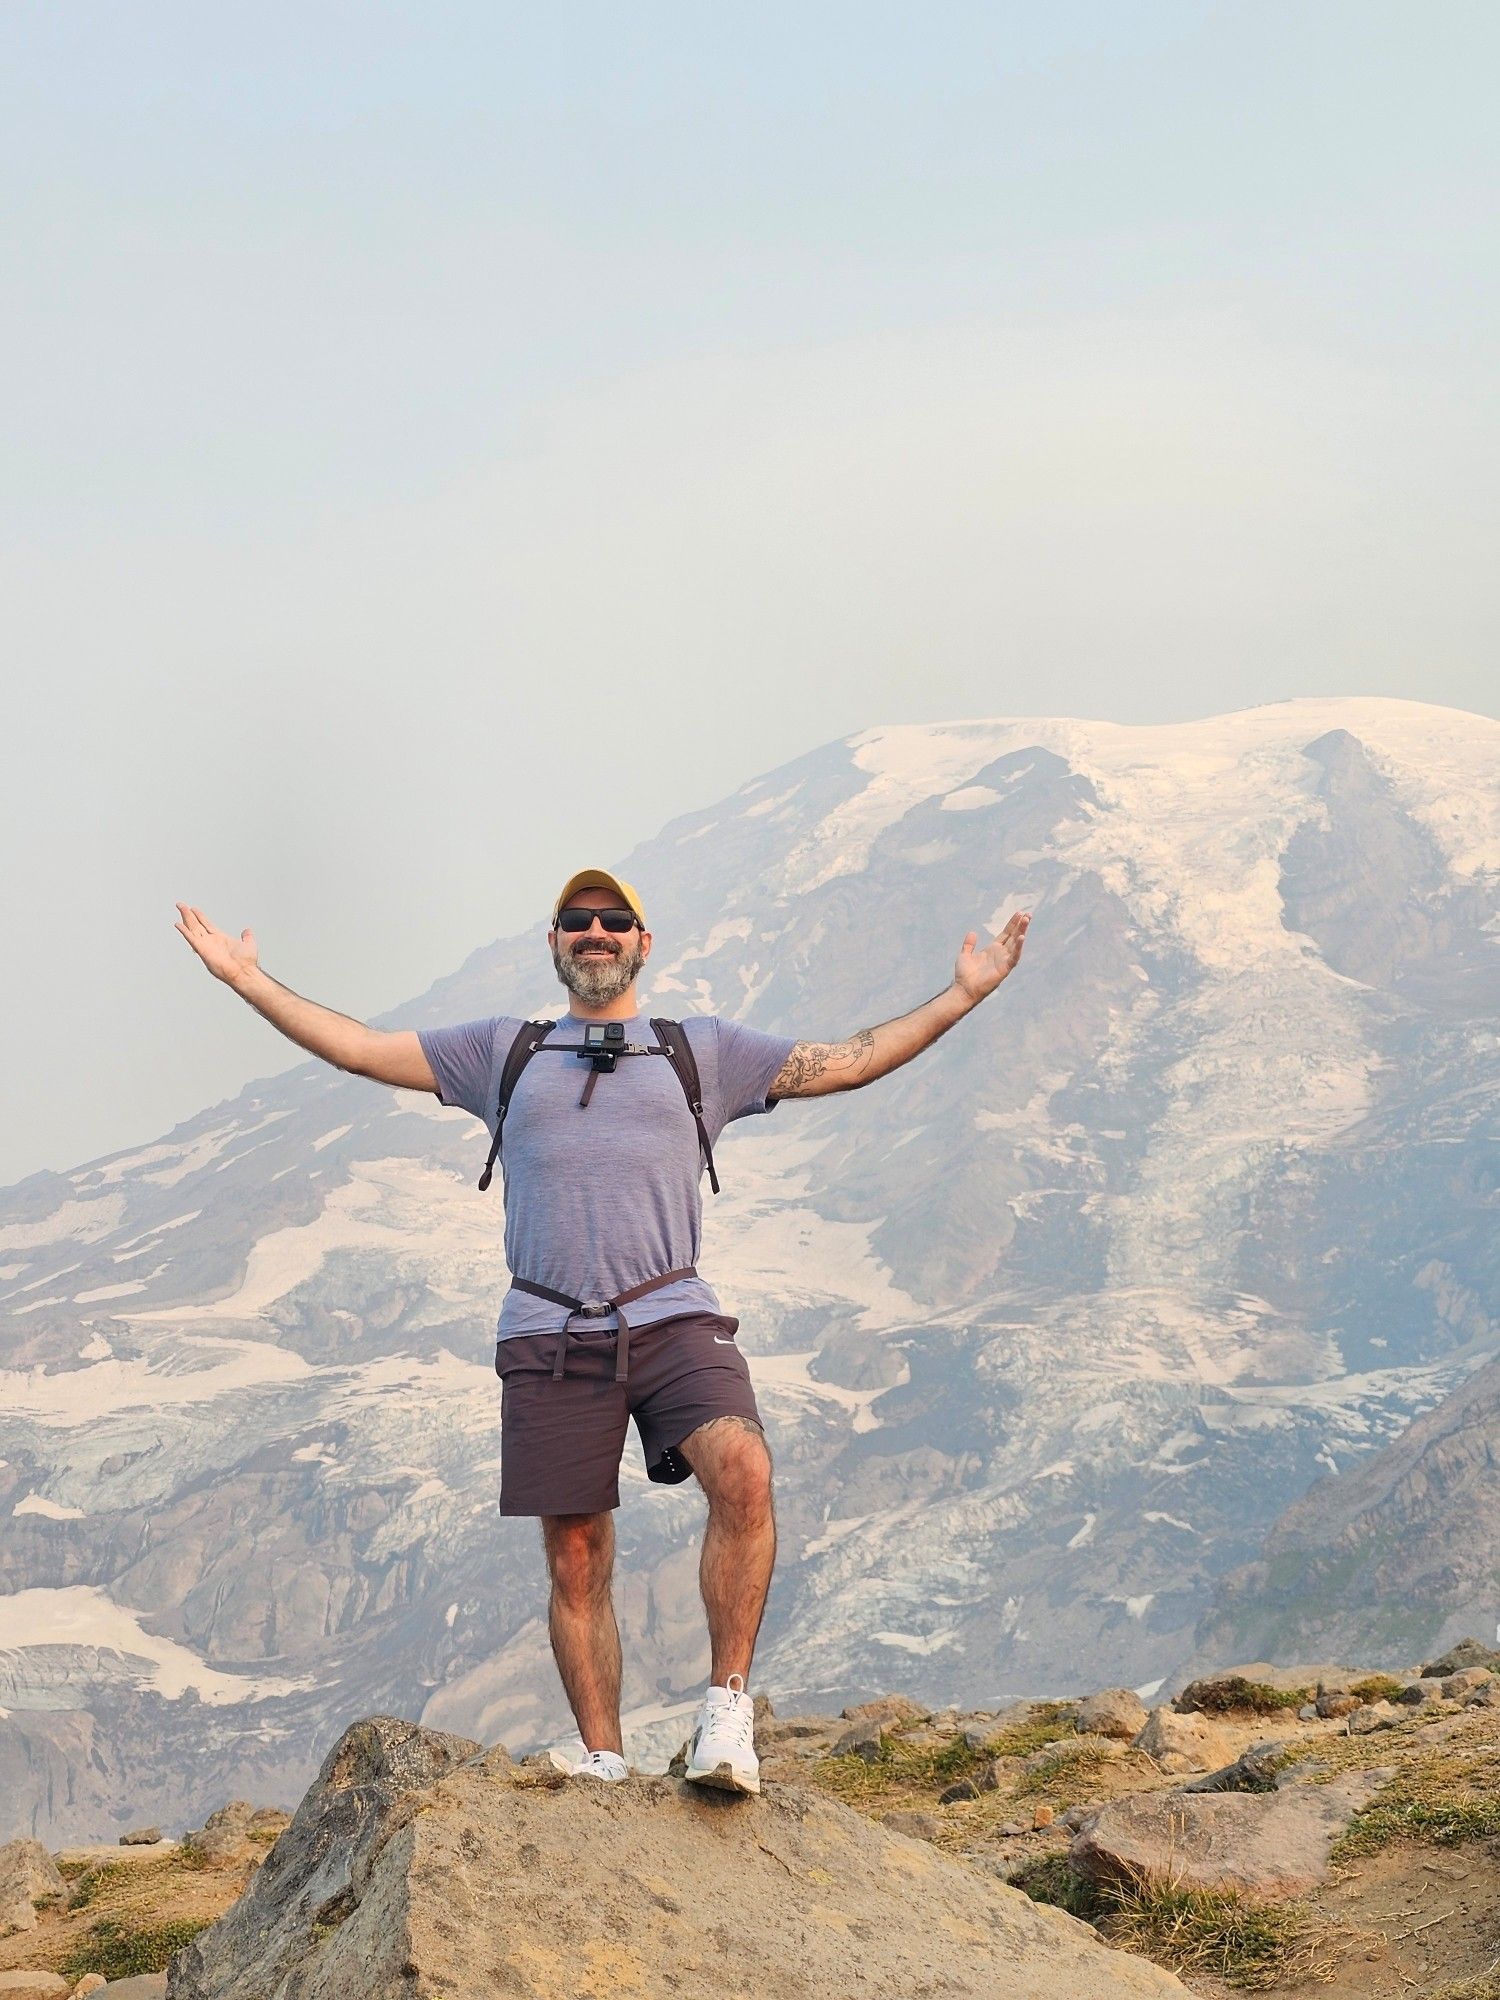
734,1718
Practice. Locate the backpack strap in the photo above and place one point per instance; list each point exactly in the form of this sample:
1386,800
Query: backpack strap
528,1039
676,1047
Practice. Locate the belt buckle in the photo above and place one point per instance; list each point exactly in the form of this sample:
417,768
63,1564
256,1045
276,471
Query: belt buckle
598,1309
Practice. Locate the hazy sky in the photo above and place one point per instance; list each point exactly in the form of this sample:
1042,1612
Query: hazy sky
442,442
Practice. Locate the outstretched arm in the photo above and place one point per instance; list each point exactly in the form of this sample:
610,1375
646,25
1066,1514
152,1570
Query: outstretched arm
814,1069
394,1058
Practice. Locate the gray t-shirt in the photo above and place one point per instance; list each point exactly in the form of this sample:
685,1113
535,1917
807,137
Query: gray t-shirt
599,1199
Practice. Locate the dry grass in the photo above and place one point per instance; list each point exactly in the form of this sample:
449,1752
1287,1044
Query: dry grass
1193,1931
1377,1687
1443,1797
910,1774
122,1918
1234,1695
1057,1777
119,1947
1484,1986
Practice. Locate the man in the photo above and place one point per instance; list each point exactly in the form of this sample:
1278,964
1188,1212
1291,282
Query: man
606,1318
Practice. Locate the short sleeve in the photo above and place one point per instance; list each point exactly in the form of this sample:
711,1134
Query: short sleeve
462,1059
749,1063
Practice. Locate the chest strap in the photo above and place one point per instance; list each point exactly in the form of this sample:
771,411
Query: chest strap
599,1309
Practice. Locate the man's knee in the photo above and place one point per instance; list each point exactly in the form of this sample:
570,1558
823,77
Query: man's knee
733,1465
580,1553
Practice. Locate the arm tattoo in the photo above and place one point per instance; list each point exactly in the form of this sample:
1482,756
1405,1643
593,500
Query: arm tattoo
811,1061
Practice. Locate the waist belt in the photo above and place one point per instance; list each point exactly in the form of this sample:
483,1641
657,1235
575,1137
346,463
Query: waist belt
599,1309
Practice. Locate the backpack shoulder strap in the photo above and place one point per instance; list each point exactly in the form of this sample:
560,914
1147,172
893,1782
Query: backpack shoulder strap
678,1050
524,1045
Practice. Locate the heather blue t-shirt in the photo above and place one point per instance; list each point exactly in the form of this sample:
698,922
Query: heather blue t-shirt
601,1198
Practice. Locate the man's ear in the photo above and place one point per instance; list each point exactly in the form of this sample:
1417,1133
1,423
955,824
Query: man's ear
645,944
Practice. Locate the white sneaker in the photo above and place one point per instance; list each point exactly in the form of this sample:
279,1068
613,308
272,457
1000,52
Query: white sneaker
606,1764
722,1749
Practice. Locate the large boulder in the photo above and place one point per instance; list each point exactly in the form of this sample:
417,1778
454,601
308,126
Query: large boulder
1264,1846
1467,1653
27,1870
1181,1743
421,1864
1117,1712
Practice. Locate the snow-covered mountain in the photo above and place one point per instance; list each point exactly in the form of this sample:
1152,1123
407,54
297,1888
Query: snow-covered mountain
1048,1327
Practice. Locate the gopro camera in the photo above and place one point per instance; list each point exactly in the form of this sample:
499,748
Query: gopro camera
603,1043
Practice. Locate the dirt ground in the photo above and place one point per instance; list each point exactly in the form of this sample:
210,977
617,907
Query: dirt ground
1403,1924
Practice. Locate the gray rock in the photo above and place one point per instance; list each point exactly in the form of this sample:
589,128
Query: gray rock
1181,1743
1308,1712
1487,1696
236,1832
148,1986
417,1862
1466,1681
860,1739
916,1825
1254,1770
797,1729
28,1985
1417,1693
1333,1704
142,1836
26,1870
1467,1653
1113,1712
888,1710
1265,1848
1374,1715
961,1788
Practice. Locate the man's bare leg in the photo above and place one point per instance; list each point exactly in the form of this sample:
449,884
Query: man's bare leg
581,1622
733,1466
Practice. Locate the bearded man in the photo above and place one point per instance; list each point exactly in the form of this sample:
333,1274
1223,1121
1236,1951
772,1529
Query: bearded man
603,1220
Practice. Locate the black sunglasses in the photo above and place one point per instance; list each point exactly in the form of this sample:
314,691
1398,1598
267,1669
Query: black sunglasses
617,921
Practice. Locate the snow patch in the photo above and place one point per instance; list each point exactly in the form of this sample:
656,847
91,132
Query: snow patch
88,1220
914,1642
36,1503
85,1616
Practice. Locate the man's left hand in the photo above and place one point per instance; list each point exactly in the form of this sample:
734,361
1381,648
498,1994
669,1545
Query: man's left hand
979,971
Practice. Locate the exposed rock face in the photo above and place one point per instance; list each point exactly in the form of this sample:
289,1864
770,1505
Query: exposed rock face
1266,1847
26,1870
421,1865
1370,1560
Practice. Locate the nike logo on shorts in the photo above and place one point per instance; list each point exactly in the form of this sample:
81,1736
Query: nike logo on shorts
719,1341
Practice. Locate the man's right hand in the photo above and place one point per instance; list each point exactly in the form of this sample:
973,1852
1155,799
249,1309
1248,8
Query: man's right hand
393,1056
227,958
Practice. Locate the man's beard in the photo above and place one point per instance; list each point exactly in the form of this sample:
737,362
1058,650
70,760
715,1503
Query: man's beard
599,977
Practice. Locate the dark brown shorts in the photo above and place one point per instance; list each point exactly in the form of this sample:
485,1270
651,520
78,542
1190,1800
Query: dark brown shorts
561,1440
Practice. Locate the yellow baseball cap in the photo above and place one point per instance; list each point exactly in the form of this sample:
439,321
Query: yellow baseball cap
599,878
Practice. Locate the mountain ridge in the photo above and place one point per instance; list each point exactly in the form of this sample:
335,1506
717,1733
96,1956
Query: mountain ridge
1047,1328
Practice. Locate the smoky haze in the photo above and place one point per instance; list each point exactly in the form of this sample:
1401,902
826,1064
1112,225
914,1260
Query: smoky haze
448,443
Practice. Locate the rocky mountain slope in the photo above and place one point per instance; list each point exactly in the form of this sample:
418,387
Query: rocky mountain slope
1047,1328
1402,1545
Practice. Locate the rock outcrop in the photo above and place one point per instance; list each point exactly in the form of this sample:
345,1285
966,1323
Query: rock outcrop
420,1865
27,1872
1266,1848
